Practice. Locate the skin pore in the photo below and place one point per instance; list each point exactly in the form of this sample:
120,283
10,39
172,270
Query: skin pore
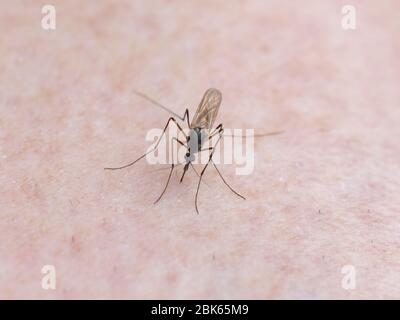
323,195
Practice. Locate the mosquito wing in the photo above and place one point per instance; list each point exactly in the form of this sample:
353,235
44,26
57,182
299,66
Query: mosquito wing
207,110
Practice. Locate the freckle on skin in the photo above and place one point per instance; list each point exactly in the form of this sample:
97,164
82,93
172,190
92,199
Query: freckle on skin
75,246
172,278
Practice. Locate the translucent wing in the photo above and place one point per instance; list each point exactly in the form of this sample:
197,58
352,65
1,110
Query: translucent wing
207,110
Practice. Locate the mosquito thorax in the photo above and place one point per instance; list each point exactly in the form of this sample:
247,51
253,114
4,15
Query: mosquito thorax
195,139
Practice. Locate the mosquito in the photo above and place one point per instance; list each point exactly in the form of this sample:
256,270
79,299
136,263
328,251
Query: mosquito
200,130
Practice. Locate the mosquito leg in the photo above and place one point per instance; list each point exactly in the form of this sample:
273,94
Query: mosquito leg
221,130
217,130
194,169
226,183
197,174
180,142
155,147
172,169
166,185
176,164
169,168
186,115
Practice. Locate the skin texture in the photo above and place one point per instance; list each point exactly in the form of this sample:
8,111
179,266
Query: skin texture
323,195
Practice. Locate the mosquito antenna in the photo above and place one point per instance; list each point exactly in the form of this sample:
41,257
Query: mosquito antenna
260,135
157,104
274,133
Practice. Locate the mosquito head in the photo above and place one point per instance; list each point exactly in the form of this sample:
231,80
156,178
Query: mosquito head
189,157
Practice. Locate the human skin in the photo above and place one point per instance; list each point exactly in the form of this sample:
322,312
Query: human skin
323,195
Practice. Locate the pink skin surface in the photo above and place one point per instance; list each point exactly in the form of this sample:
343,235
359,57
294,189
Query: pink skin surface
323,195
